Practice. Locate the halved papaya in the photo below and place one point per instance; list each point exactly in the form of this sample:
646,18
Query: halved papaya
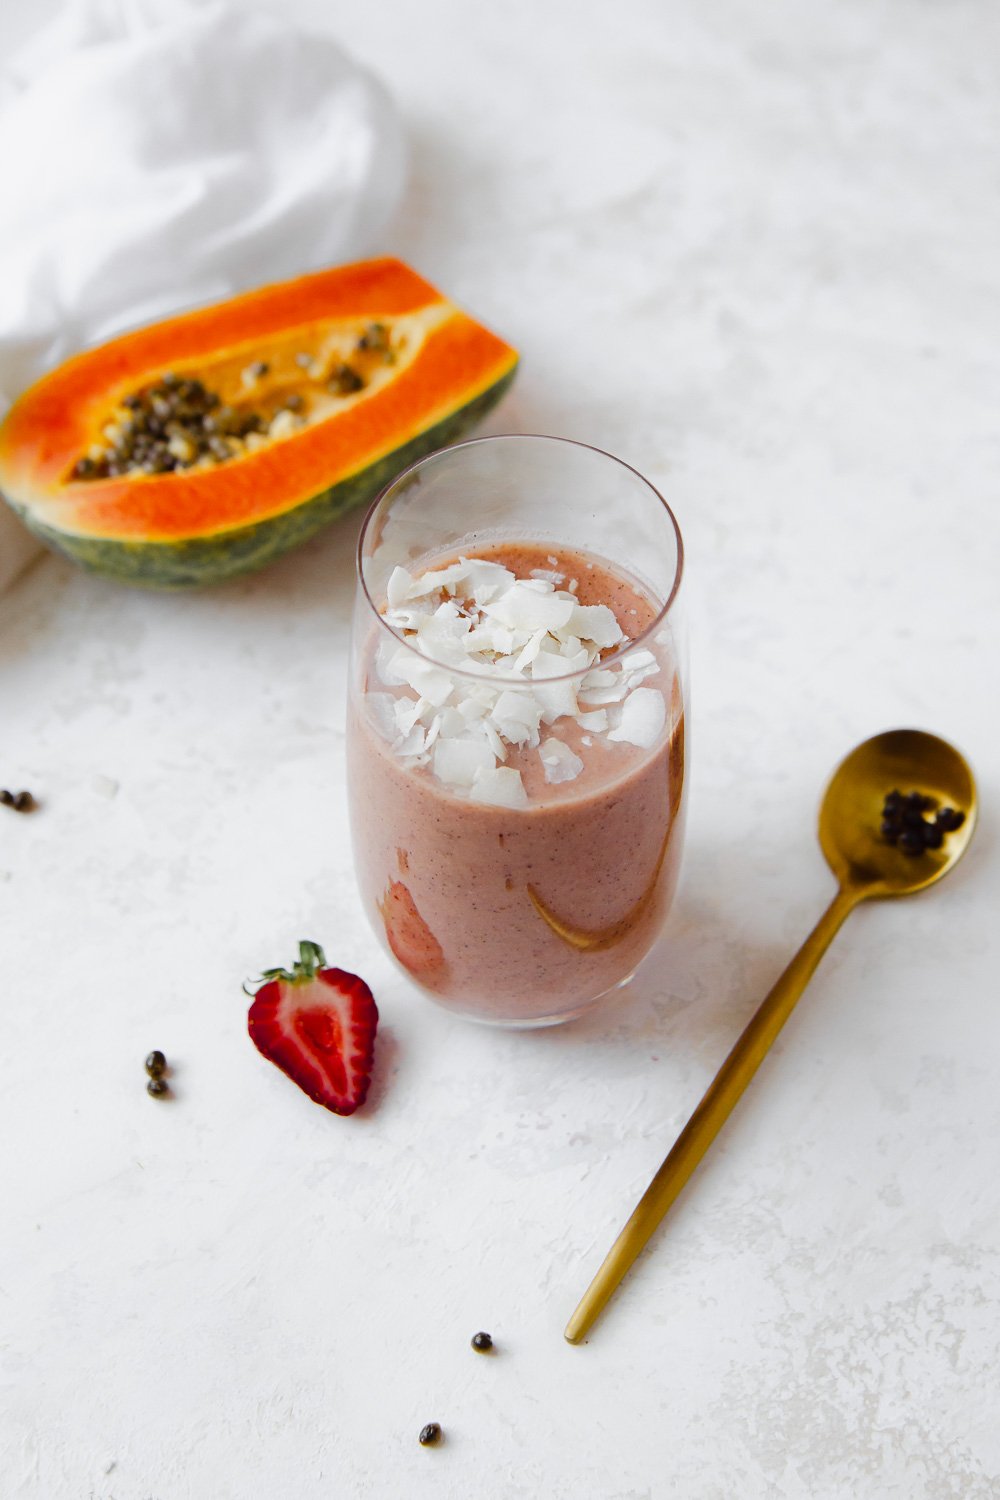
208,444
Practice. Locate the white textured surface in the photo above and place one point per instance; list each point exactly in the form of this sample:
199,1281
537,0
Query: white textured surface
754,250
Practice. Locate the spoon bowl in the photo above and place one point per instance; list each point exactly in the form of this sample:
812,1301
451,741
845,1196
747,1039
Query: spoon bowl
905,760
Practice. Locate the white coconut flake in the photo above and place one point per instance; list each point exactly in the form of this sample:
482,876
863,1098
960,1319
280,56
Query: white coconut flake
457,761
483,638
502,787
384,658
382,711
597,623
559,761
413,743
558,699
644,714
515,715
638,665
428,680
441,636
453,723
524,607
548,577
529,651
446,579
639,660
550,664
407,618
596,697
407,712
398,588
520,706
486,580
493,739
597,719
575,658
505,641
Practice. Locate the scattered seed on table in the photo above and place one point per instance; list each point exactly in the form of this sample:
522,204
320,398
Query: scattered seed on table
482,1343
156,1064
157,1088
430,1434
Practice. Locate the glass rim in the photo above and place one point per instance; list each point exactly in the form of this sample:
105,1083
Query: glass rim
612,657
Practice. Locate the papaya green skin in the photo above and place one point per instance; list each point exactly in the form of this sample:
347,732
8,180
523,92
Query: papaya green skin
198,561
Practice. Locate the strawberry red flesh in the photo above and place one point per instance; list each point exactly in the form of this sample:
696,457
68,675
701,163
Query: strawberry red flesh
318,1026
409,936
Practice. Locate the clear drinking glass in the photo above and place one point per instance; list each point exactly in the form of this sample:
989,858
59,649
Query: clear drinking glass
516,879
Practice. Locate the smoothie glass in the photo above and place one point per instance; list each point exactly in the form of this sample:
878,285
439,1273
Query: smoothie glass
518,898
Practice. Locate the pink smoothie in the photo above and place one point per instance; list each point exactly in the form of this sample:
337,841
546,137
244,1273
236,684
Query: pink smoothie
525,914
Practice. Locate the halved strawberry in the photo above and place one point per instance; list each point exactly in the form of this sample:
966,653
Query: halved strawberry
318,1026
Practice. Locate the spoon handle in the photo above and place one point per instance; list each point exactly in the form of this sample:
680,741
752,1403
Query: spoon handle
711,1114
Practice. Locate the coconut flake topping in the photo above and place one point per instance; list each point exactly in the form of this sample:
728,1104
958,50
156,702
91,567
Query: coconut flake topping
535,651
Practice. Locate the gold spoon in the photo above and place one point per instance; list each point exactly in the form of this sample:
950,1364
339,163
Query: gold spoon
866,865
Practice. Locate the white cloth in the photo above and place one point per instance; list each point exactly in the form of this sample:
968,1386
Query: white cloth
164,153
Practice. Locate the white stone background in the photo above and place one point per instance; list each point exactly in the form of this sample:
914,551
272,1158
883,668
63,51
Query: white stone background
755,250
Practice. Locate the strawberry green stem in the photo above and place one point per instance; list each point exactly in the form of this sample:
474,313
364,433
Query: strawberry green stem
311,958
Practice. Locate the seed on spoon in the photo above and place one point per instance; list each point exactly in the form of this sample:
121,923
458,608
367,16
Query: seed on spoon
904,823
430,1434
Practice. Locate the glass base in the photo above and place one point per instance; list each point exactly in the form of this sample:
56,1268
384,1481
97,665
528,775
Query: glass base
538,1023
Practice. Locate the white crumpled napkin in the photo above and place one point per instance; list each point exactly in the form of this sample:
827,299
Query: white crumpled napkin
163,153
